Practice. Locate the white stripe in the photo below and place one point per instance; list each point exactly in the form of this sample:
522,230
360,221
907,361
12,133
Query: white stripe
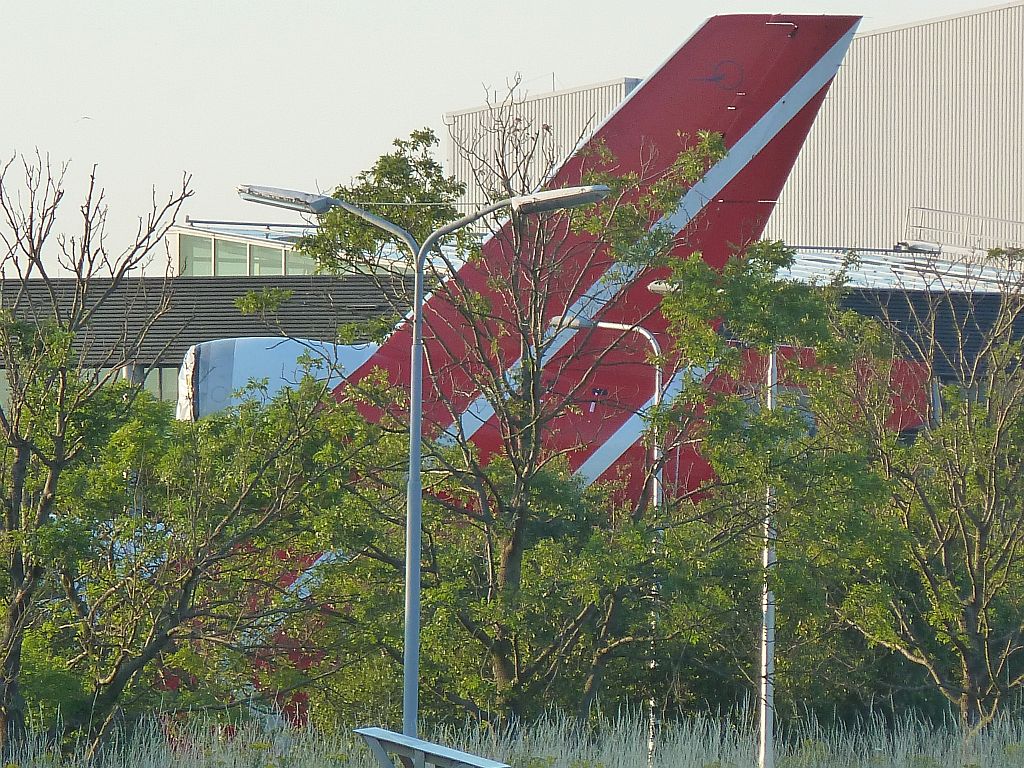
619,276
755,140
626,435
600,293
714,181
759,136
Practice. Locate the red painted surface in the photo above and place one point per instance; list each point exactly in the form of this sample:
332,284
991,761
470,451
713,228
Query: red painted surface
727,78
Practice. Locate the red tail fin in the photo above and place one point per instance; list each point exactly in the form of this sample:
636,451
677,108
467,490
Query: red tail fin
756,79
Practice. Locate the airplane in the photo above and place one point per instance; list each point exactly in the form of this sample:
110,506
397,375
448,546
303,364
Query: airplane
758,80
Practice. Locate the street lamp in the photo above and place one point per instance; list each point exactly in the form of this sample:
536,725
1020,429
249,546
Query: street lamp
766,732
305,202
580,323
766,687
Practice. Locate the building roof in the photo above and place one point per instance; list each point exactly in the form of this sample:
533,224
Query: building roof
940,19
279,234
942,303
183,311
925,267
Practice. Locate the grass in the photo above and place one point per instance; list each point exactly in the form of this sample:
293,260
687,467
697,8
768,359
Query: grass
699,742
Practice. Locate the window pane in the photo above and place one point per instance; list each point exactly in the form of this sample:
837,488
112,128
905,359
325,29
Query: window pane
152,383
266,261
169,384
5,390
195,255
298,263
232,258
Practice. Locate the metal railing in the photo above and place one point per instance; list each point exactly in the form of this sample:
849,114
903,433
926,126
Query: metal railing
961,230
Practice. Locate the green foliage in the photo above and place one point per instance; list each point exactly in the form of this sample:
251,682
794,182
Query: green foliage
744,301
638,199
408,187
264,302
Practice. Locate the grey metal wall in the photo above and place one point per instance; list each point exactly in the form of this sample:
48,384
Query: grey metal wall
928,116
563,117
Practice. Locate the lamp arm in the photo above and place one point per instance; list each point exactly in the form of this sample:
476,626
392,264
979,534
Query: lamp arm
388,226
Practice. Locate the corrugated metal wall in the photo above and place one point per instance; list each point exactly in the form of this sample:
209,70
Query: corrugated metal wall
564,117
925,116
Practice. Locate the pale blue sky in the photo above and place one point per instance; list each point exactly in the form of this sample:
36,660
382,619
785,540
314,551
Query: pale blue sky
307,93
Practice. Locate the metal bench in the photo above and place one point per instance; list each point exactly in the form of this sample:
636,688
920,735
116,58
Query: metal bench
416,753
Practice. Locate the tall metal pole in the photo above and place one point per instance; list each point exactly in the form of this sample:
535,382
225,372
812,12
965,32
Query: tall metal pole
414,514
657,484
414,488
766,699
550,200
657,492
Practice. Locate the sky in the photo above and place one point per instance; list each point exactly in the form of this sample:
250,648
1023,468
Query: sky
306,93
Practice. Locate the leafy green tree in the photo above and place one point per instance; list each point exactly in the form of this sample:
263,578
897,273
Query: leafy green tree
941,582
728,321
188,594
906,538
59,411
407,186
533,585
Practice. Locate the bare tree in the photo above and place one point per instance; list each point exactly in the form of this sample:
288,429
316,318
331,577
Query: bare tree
59,407
945,436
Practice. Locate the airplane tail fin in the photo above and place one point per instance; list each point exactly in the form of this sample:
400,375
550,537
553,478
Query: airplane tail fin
758,81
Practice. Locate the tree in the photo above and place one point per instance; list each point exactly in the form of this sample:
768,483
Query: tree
898,514
188,592
943,585
533,584
64,401
727,322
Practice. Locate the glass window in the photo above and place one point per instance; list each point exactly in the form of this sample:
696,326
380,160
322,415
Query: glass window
5,390
266,261
298,263
152,383
195,255
169,384
232,259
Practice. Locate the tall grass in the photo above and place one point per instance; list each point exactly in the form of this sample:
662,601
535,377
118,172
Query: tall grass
558,742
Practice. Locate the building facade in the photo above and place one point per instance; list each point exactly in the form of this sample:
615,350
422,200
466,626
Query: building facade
561,118
237,249
146,325
920,138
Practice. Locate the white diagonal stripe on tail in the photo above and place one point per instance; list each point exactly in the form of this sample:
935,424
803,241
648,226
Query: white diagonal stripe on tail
715,180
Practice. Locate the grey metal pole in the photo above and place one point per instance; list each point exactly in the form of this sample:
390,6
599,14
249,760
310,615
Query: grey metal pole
414,514
766,735
657,487
657,492
414,488
656,481
305,202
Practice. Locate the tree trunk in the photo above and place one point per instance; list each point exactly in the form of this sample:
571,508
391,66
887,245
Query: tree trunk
12,704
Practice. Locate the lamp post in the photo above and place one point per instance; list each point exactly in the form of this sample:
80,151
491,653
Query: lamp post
305,202
657,489
581,323
766,686
766,732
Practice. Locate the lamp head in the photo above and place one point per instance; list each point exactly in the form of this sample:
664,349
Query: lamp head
306,202
557,199
660,287
577,323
